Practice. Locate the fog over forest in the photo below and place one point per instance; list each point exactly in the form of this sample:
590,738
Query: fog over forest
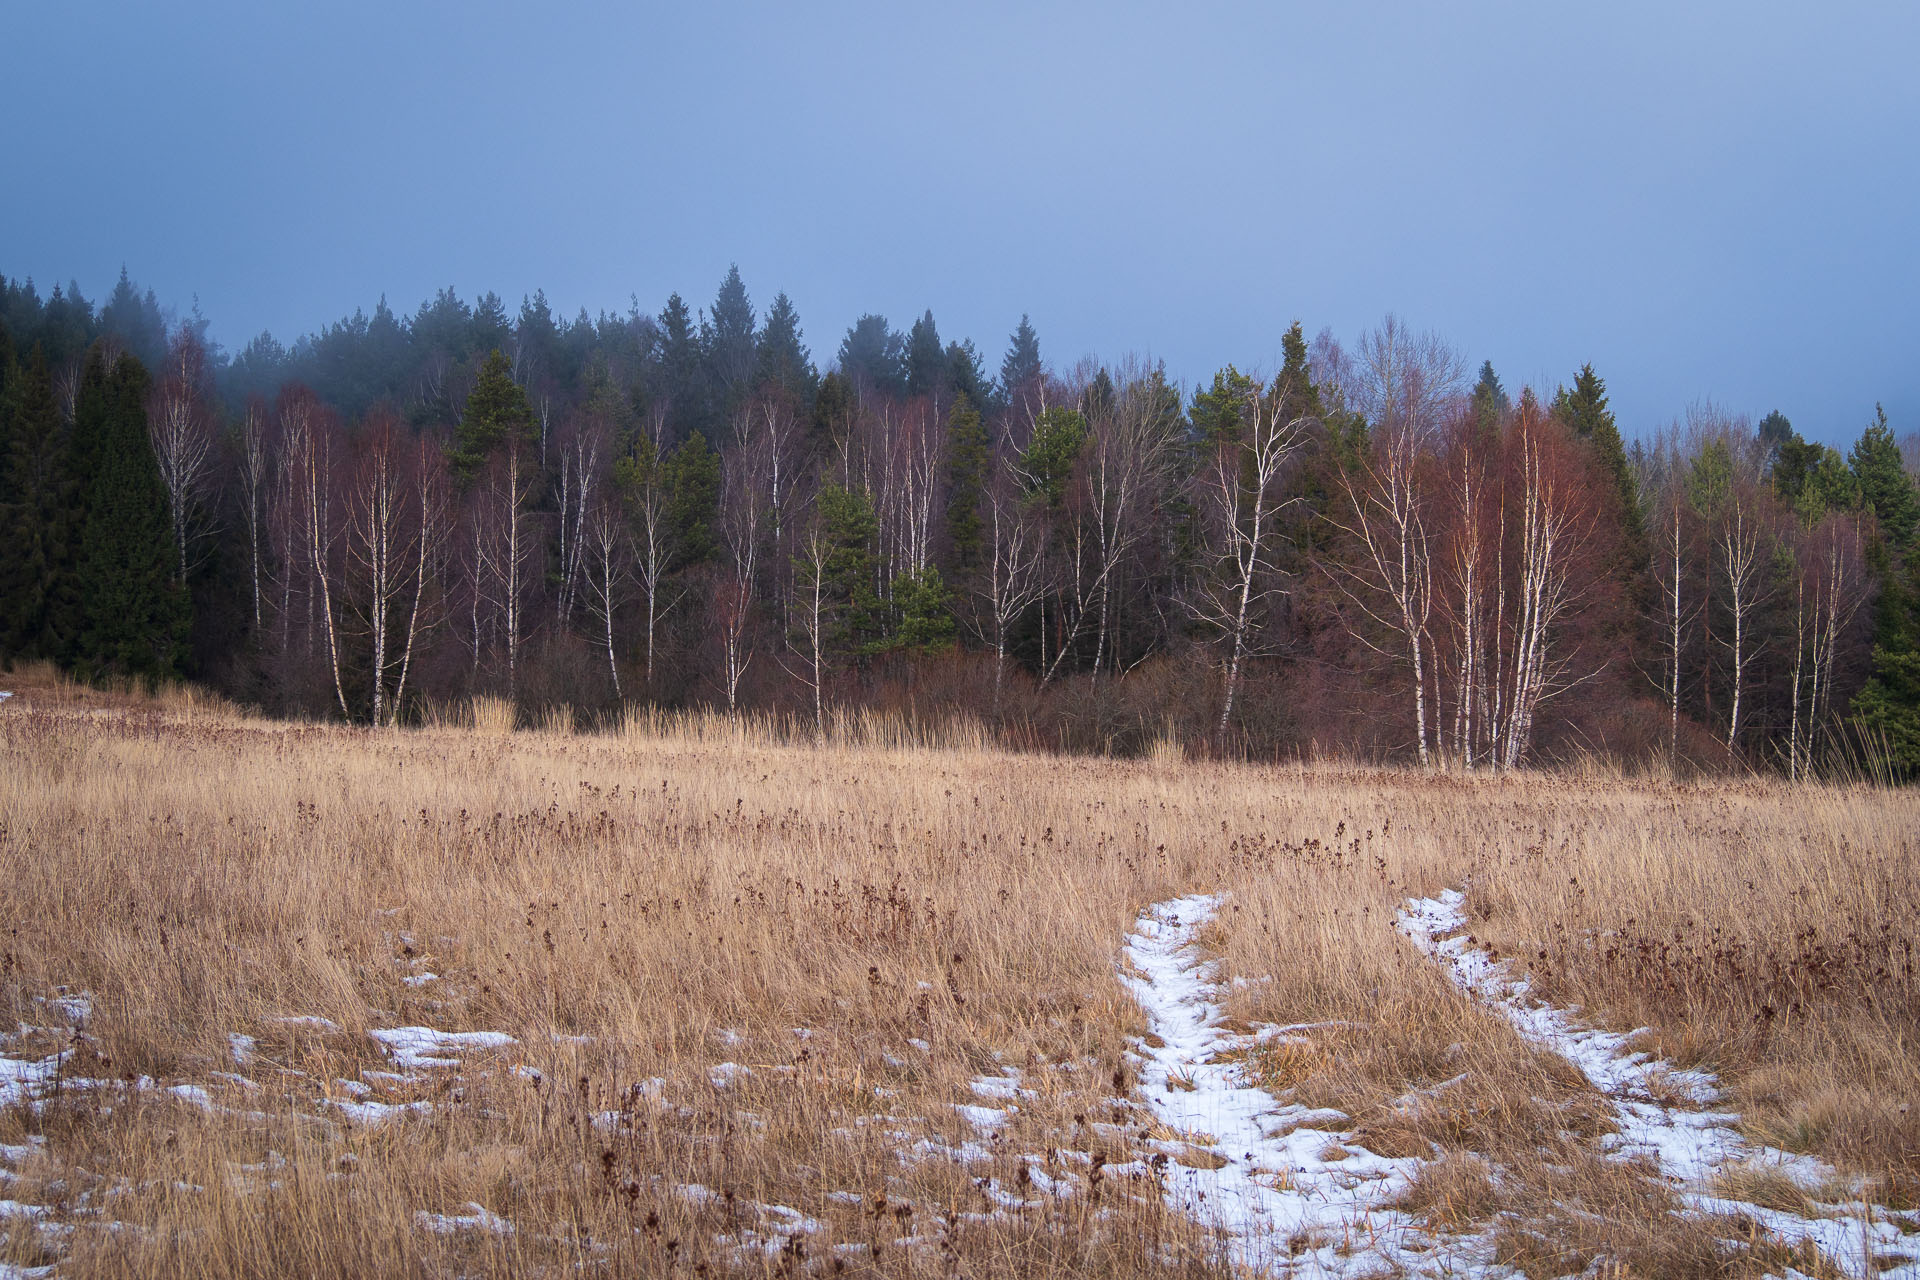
1379,547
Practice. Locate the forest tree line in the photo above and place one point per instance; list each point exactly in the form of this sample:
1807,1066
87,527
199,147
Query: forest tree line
1370,551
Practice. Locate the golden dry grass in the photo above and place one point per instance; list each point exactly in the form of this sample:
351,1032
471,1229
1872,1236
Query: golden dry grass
865,928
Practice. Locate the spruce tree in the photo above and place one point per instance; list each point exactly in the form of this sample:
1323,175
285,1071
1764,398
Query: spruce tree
926,359
1021,365
692,474
35,515
1888,707
1490,400
681,370
782,359
136,320
1300,398
832,410
1583,408
966,484
874,354
728,337
966,377
1885,487
1096,402
850,525
135,617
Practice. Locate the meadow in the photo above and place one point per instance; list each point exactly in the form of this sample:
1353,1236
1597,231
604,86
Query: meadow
694,996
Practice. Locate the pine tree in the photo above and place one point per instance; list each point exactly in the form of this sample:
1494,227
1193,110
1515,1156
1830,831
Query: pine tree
1215,411
1885,487
536,340
1773,432
135,616
781,358
496,411
966,483
1810,478
489,327
923,614
926,359
36,511
1059,434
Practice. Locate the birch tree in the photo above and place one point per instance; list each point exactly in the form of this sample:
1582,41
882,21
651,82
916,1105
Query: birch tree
1829,585
812,614
643,487
742,519
1723,487
1555,517
1128,461
582,451
256,468
1013,583
180,424
1403,382
1237,490
507,547
1472,588
395,525
1680,607
608,565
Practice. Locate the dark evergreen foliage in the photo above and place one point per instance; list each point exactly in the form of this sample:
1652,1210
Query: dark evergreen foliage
134,617
1020,368
1885,487
728,337
926,359
635,403
782,358
874,356
36,510
496,411
966,483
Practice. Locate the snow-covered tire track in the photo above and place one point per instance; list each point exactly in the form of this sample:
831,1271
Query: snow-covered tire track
1691,1144
1281,1203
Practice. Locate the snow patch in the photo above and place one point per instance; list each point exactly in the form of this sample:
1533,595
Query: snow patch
1279,1204
425,1047
477,1218
1691,1145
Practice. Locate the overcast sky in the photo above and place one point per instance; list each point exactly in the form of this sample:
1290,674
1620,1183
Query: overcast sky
1702,200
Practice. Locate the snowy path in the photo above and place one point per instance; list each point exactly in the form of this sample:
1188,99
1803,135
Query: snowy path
1691,1142
1291,1193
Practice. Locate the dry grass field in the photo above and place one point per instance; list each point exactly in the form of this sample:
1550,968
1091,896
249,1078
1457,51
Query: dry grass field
859,1009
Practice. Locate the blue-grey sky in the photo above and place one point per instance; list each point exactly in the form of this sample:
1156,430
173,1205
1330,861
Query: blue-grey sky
1703,200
